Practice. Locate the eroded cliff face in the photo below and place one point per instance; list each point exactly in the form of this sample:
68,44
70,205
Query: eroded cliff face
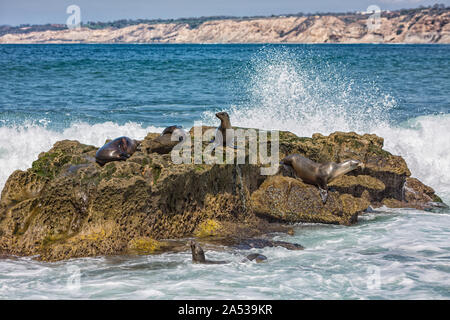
425,26
66,205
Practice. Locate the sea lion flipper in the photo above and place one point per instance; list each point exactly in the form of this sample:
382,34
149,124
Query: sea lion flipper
124,155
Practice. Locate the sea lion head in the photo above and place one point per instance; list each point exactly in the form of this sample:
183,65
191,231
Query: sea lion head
198,255
123,144
223,116
257,257
355,164
127,145
171,129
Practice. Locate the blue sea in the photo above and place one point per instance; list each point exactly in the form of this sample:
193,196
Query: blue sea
95,92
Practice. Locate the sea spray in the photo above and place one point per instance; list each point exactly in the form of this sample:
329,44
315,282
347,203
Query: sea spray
302,92
297,91
424,143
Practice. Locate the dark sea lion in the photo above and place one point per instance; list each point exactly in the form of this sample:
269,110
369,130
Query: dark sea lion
173,134
224,125
257,257
120,149
198,256
319,174
171,129
169,138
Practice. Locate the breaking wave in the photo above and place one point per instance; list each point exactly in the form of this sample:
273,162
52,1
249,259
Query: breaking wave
291,91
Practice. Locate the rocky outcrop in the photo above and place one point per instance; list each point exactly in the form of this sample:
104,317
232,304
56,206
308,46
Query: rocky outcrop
290,200
66,205
416,195
419,26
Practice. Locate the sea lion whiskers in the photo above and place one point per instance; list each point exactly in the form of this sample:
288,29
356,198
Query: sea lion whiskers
335,170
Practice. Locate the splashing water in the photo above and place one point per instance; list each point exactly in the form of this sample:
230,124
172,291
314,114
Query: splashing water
304,93
424,143
289,90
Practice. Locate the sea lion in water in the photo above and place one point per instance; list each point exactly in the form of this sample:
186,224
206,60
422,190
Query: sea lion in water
198,255
319,174
224,125
257,257
120,149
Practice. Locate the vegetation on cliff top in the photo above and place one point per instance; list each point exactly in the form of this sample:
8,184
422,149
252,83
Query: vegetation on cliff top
194,22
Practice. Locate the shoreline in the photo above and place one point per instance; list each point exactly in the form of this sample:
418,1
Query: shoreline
420,26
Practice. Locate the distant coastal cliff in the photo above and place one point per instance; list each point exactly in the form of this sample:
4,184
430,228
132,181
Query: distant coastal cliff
426,25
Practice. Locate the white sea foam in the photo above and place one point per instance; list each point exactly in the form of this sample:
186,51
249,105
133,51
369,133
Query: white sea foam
396,256
424,143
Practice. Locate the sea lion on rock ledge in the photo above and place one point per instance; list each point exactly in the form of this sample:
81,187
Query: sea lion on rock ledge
180,134
168,139
224,125
120,149
319,174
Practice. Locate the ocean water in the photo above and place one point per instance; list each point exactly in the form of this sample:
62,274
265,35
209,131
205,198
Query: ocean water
94,92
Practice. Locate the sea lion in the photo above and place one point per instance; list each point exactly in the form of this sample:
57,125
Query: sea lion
257,257
178,130
168,139
224,125
319,174
120,149
198,256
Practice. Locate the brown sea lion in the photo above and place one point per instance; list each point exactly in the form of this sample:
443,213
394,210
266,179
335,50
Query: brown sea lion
172,129
198,256
257,257
224,125
120,149
319,174
168,139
